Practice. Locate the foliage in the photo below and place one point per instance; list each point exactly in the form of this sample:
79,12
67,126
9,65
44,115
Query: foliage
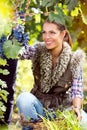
25,79
59,16
3,93
11,50
11,41
3,61
64,121
3,97
72,13
6,17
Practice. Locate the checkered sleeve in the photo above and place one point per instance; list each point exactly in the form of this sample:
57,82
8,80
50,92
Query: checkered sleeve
28,52
77,87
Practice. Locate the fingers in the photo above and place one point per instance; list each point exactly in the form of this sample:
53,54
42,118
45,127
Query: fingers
77,112
22,116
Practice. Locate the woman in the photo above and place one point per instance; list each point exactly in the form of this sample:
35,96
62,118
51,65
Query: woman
57,71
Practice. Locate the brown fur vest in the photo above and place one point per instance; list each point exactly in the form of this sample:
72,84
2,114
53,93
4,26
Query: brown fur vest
51,84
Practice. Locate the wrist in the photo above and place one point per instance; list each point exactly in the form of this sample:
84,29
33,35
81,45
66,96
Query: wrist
76,107
77,110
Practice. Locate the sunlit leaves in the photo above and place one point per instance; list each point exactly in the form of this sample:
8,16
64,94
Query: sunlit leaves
3,95
11,48
2,110
37,18
75,12
84,12
6,13
5,9
59,16
25,78
65,120
3,62
84,18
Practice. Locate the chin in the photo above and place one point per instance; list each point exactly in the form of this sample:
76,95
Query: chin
49,47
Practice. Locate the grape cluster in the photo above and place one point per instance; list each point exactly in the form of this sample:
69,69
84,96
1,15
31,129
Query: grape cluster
2,40
19,33
20,15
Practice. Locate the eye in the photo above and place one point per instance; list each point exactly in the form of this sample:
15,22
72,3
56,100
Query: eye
52,32
43,32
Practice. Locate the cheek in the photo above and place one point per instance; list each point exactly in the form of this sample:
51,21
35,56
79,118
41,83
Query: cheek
59,38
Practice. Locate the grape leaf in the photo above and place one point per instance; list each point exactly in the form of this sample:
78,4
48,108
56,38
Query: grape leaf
71,4
3,62
47,3
11,48
60,17
4,71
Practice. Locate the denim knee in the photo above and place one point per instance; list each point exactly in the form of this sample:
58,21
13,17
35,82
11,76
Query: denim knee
29,105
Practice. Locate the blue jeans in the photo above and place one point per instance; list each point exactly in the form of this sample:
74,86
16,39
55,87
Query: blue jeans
29,106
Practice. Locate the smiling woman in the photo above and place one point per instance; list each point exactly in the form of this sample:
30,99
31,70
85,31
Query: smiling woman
57,75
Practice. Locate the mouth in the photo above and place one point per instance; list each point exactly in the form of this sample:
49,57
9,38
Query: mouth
48,43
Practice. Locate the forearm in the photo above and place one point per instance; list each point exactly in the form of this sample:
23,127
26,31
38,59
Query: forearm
77,102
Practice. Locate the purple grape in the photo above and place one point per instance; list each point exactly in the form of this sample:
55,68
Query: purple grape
2,40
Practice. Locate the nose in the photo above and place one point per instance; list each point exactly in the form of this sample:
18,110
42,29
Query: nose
47,35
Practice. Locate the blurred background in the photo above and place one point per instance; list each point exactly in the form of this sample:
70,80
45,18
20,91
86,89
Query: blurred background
31,14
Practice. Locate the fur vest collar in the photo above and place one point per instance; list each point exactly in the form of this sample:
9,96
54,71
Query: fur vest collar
49,77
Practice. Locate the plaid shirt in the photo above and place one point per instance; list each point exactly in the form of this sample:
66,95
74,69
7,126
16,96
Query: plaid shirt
76,87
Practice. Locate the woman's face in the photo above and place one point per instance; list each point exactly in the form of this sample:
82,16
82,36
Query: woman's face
52,36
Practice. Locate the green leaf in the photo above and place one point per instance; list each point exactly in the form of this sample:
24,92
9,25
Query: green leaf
4,71
11,48
1,104
51,16
47,3
59,17
3,62
56,18
37,18
3,84
71,4
3,95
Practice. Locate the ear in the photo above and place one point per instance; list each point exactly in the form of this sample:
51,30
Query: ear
63,33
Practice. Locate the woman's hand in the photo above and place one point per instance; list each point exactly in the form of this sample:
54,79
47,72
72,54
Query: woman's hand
77,111
77,104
